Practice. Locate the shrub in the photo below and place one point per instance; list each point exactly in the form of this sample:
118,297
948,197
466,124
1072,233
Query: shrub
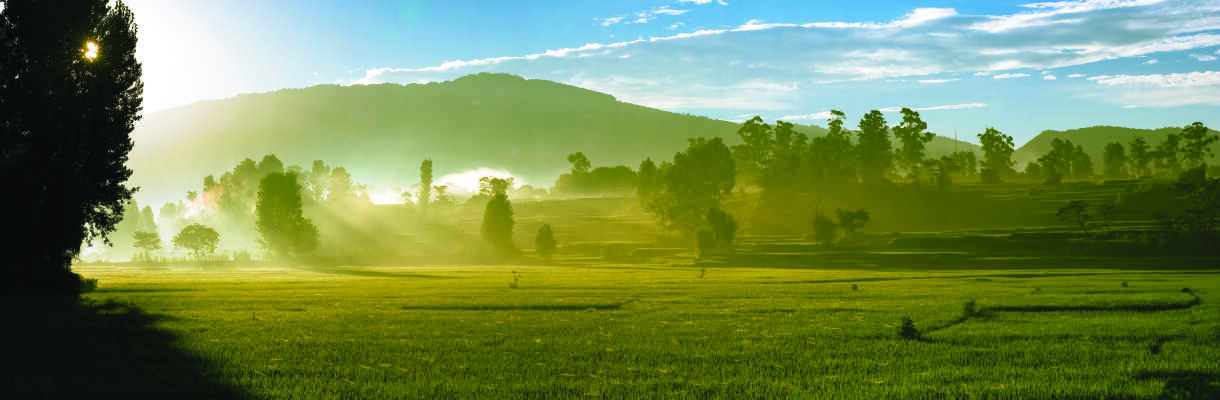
907,329
1124,283
88,285
855,287
516,279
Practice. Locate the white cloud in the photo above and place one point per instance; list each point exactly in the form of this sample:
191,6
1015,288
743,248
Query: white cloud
702,2
1203,57
1161,90
1048,77
934,81
665,10
936,108
676,25
1050,13
1151,61
1010,76
609,21
1189,79
1076,76
818,116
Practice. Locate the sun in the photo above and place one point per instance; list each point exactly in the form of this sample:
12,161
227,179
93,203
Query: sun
90,50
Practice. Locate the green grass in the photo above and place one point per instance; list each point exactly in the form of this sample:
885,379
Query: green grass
652,331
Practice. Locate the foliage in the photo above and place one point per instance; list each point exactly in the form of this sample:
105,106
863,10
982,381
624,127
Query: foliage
544,242
284,229
498,222
705,242
1076,211
873,149
831,156
1196,147
997,152
1140,155
648,181
65,133
825,231
1115,160
425,183
911,132
1065,160
1167,157
583,180
723,226
147,241
906,329
696,180
580,163
852,221
199,239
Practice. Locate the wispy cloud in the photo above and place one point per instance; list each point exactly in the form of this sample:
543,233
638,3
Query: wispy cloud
935,81
1048,77
1151,61
818,116
702,2
1162,90
1050,13
1010,76
641,17
937,108
1203,57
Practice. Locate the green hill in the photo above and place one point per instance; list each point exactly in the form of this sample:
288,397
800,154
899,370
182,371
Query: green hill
1094,140
382,132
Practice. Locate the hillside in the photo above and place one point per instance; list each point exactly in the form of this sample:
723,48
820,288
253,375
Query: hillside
1094,140
382,132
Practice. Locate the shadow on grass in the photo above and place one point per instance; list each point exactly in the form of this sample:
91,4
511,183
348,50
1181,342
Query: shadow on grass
522,307
1124,307
1185,385
58,348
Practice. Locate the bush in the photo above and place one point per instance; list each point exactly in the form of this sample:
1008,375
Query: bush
907,329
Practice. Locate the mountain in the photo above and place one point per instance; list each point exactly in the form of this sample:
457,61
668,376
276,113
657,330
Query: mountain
1093,139
380,133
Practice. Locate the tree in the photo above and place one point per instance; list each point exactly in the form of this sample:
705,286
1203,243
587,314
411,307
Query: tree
648,181
580,163
147,241
757,139
997,154
1115,159
911,133
70,93
824,230
874,149
1139,156
1196,146
490,185
425,183
723,226
1065,160
705,242
1076,211
497,227
1109,212
1167,161
283,228
199,239
544,242
696,180
829,156
852,221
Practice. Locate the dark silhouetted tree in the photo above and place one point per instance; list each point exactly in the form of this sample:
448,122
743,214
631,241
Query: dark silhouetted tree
723,225
705,242
852,221
912,133
751,156
1139,155
66,117
544,242
497,227
825,230
696,180
831,156
490,185
997,155
1115,160
873,148
1167,161
200,240
425,183
648,181
1076,211
283,228
1196,144
580,163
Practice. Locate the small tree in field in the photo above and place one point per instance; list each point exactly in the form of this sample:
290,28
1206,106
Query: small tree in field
825,230
283,228
200,240
1076,211
544,242
705,242
147,241
497,227
852,221
723,226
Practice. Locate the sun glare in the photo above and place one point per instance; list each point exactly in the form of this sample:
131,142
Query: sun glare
468,181
91,50
386,196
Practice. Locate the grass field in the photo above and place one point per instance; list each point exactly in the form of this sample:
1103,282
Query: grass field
598,330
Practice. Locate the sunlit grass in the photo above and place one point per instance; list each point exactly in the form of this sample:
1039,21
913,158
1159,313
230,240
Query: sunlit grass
667,332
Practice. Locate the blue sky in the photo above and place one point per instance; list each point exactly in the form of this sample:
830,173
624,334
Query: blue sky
1021,67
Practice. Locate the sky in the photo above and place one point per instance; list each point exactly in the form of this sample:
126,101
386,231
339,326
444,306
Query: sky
1018,66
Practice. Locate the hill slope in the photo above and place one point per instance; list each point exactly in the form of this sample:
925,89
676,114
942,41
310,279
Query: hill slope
382,132
1094,140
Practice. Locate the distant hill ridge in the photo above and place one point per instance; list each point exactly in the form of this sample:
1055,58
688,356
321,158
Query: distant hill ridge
1094,140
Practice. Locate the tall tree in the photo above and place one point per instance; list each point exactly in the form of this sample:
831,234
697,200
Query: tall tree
997,153
498,222
1196,147
544,242
648,181
284,229
1167,161
1115,160
70,93
750,156
1139,156
723,225
912,133
696,180
425,183
830,156
874,148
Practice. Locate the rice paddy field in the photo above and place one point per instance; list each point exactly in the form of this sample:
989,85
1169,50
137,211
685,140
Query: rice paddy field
585,329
